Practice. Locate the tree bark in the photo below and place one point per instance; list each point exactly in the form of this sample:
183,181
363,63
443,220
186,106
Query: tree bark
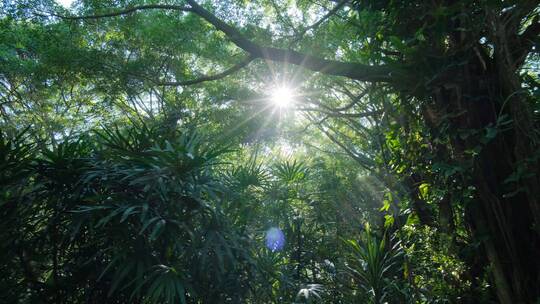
504,223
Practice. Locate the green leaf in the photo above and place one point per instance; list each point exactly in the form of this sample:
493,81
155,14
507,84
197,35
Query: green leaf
148,223
388,221
157,229
128,212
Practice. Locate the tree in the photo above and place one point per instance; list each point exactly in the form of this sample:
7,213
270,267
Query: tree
460,62
455,65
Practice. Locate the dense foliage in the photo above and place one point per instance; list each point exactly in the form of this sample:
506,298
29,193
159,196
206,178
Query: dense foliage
269,151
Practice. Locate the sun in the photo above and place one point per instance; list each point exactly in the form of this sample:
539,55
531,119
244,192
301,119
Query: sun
282,97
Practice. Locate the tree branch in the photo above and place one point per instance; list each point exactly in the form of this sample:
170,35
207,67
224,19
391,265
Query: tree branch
330,67
340,114
350,70
223,74
362,160
331,12
127,11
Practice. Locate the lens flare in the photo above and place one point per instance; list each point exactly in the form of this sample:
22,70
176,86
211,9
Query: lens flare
275,239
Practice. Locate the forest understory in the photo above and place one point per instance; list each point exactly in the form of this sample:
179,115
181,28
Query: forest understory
269,151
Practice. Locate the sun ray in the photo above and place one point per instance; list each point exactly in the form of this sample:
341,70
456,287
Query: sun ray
241,123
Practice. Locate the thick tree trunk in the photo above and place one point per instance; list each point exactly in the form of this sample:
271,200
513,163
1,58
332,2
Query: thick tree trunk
504,223
446,215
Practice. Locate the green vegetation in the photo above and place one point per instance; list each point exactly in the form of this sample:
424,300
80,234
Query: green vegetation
269,151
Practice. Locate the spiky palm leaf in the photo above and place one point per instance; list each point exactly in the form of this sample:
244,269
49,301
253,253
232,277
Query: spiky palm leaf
373,262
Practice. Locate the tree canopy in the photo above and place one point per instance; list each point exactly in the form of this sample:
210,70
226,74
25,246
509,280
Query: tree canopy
269,151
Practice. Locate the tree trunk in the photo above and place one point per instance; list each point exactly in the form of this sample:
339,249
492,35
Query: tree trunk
503,223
